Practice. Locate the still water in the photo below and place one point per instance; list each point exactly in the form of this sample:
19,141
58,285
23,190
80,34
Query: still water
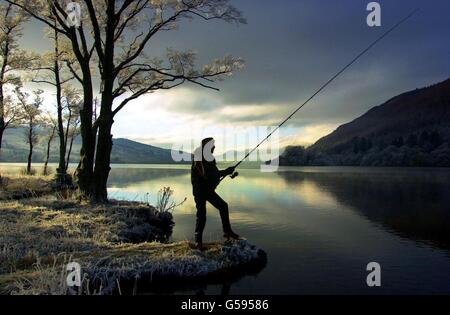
320,227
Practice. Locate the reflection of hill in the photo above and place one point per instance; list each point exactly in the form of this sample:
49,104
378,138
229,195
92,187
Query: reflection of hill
122,177
413,204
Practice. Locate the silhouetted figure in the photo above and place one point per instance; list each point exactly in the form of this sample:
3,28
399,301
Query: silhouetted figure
205,177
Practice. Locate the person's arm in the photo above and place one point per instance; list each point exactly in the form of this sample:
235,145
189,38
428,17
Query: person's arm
228,171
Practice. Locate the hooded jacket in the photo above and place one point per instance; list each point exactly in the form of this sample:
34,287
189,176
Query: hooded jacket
205,176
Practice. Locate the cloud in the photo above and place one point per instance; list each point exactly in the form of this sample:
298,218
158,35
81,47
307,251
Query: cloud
307,135
290,48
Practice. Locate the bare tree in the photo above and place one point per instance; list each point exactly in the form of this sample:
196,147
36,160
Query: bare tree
12,60
52,69
11,114
74,131
51,125
125,70
31,113
45,11
72,104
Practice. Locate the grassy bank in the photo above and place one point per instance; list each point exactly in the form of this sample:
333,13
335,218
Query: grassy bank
117,245
16,187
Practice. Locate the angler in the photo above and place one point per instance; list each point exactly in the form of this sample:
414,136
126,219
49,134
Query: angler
334,77
205,177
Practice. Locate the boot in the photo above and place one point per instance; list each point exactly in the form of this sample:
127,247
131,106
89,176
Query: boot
226,226
230,234
199,241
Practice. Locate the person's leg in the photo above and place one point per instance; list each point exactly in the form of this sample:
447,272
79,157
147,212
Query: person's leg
214,199
200,204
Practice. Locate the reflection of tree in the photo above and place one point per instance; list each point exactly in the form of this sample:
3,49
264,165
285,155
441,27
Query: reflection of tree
122,177
413,204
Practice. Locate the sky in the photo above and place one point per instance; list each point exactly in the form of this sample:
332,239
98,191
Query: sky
290,48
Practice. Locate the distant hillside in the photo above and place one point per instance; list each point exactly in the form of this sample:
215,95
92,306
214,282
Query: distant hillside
132,152
412,129
15,149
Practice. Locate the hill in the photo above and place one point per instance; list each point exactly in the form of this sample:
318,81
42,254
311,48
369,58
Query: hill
411,129
15,149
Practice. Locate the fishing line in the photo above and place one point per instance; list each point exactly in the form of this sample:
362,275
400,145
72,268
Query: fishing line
362,53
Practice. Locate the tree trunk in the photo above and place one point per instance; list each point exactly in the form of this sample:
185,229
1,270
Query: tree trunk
105,120
5,57
85,170
5,63
104,140
30,153
2,111
61,175
70,151
2,130
66,140
47,157
102,161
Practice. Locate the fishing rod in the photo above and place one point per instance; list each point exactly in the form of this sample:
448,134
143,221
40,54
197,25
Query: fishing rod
362,53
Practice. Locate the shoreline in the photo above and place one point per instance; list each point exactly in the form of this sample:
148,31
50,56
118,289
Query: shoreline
119,245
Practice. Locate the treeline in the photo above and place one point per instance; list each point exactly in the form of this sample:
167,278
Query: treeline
425,148
38,129
99,49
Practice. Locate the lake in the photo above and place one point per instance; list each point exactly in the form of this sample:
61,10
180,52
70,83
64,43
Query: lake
319,226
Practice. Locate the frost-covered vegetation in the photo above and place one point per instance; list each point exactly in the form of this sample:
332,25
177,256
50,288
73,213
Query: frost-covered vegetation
116,244
24,186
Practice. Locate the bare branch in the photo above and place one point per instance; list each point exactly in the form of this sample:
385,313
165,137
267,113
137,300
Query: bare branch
144,42
120,28
67,80
155,86
43,81
37,17
96,29
73,71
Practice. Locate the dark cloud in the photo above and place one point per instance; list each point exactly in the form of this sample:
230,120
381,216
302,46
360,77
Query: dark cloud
291,47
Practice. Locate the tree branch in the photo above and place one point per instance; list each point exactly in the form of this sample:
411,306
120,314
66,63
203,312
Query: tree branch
67,80
96,28
144,42
33,14
73,71
43,81
132,15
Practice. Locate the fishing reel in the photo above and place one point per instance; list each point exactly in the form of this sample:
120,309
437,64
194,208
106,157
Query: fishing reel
235,174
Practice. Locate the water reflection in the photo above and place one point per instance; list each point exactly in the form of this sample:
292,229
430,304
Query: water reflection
412,204
321,226
409,203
